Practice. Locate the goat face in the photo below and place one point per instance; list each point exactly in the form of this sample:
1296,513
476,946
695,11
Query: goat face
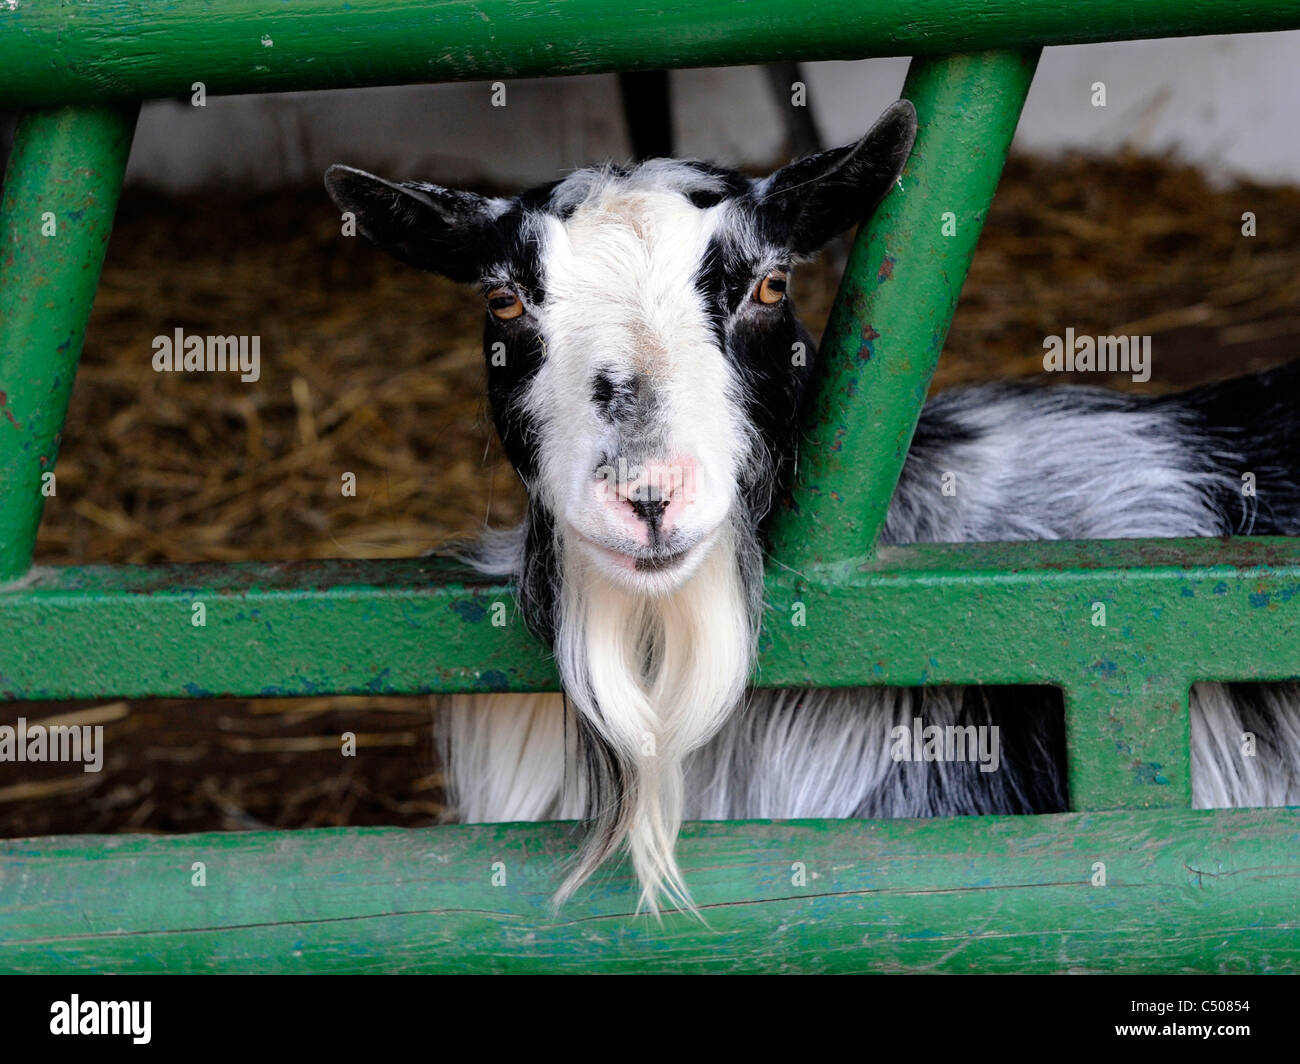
645,367
645,381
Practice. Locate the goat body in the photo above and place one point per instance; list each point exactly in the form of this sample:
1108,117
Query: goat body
646,374
1119,466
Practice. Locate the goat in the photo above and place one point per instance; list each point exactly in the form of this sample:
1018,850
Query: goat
638,345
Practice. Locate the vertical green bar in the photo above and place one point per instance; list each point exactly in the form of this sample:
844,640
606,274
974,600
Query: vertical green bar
1125,756
60,193
895,303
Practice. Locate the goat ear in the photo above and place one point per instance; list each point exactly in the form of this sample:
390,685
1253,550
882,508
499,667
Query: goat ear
824,194
430,227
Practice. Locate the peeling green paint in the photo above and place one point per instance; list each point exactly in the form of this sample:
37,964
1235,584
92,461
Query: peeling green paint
979,894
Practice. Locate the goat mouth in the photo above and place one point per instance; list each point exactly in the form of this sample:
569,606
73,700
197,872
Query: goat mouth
657,562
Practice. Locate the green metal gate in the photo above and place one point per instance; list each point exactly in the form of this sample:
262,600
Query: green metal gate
1183,890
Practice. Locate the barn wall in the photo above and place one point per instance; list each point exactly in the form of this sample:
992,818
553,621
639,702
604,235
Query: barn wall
1229,103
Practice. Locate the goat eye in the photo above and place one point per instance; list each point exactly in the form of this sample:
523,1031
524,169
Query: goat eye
504,304
771,289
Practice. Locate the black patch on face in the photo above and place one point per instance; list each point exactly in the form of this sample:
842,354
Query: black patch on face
539,583
713,284
760,343
728,273
513,349
775,389
510,367
518,259
602,394
627,402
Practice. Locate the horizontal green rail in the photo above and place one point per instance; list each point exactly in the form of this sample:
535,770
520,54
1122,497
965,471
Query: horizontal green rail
70,51
1154,892
1175,611
1124,627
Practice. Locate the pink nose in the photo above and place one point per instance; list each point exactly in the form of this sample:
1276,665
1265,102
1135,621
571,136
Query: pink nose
647,501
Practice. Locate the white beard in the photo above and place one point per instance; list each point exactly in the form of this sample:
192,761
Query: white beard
654,677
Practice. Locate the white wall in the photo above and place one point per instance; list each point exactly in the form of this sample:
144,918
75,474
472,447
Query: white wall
1231,104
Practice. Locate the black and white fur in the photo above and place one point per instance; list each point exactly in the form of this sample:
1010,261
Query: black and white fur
637,338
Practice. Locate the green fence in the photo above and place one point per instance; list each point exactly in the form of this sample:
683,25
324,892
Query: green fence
1184,890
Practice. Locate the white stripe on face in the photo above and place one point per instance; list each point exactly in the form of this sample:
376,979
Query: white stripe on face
622,312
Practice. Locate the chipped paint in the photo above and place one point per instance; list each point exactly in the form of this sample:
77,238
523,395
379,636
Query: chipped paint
867,349
4,406
470,610
1149,775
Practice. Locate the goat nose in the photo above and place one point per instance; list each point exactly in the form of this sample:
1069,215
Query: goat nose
651,511
647,500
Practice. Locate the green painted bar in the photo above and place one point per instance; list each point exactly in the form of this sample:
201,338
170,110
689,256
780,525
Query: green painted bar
268,629
1183,892
1177,611
1129,751
60,193
895,303
57,51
